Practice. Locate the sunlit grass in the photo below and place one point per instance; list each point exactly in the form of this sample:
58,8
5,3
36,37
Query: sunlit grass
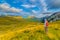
29,31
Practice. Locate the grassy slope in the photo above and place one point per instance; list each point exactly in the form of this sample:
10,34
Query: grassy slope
14,29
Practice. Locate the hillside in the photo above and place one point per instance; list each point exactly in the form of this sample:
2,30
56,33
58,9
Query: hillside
20,29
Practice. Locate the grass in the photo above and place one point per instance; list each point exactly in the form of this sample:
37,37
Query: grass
14,29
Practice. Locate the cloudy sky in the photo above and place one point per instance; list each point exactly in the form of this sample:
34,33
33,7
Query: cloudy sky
28,7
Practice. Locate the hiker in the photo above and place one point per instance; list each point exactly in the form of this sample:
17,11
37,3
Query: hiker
46,25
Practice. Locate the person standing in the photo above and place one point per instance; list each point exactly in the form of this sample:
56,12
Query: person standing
46,25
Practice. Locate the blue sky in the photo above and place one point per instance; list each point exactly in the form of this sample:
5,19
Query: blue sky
27,8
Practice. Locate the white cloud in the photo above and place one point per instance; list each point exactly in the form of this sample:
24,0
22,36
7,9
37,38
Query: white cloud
56,2
34,11
5,7
28,6
44,5
42,15
39,14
